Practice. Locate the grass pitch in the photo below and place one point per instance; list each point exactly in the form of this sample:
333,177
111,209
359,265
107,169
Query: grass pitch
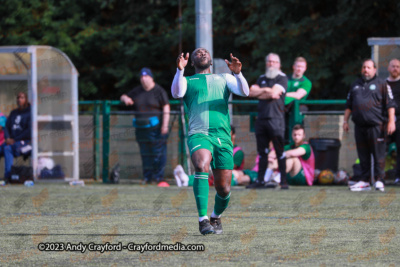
303,226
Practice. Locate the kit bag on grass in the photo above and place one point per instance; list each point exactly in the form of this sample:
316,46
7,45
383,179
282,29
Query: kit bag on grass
19,174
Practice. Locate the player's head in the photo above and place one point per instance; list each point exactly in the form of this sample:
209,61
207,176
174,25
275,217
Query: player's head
299,67
22,100
298,134
394,68
273,65
273,60
146,78
201,58
233,134
368,69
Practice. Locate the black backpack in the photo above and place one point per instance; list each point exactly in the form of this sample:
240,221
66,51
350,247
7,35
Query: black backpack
114,175
19,174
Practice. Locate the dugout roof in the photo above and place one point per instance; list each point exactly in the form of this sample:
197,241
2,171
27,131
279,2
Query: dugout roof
50,80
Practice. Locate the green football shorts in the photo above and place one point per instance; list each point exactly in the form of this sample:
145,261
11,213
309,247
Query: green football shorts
252,174
298,179
221,149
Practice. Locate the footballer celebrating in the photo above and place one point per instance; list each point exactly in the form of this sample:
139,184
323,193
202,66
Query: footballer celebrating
205,96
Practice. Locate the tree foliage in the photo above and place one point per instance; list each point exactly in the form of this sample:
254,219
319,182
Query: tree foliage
110,41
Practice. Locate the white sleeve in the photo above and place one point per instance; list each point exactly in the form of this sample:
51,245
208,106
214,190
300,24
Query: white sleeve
179,85
237,84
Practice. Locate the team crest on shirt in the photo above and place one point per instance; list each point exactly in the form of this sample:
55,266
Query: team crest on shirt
296,84
372,87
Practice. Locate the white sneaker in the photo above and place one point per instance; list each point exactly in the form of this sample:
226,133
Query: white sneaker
380,186
178,180
360,186
350,183
180,176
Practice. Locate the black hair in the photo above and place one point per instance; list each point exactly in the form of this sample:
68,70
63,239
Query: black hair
369,59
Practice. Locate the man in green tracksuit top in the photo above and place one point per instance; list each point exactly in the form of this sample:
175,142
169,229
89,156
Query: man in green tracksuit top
205,96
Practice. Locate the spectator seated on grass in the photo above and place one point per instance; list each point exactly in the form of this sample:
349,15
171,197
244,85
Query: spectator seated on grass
300,161
239,177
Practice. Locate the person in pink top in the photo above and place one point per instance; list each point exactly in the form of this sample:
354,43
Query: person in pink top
2,125
300,160
2,139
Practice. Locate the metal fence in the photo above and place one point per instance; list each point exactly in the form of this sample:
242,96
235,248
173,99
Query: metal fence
107,136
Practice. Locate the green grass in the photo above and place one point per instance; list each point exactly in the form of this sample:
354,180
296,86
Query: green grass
306,226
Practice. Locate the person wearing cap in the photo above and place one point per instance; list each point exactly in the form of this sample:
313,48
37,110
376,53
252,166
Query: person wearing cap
150,103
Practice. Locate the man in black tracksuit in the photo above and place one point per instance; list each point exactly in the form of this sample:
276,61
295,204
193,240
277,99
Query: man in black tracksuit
270,125
370,101
394,82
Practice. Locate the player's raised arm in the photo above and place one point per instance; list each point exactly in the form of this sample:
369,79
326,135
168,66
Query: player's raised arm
239,85
235,66
179,85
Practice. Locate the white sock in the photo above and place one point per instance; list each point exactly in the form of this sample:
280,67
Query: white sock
277,178
213,215
267,176
203,218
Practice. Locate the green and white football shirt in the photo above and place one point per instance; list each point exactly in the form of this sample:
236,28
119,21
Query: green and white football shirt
206,102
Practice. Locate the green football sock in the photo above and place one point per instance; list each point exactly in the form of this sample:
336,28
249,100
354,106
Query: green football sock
191,180
221,203
201,189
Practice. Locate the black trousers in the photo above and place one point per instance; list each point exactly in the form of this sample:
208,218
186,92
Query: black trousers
270,130
395,137
371,140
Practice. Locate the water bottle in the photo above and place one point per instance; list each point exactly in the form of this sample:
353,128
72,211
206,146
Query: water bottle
77,183
28,183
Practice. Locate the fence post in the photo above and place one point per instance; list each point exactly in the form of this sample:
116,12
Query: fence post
294,117
96,154
106,139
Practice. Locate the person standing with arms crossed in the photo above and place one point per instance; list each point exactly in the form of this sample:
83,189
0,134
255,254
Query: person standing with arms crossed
270,125
299,87
370,102
205,96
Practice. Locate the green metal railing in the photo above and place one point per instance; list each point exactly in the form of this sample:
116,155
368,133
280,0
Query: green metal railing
103,107
296,117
